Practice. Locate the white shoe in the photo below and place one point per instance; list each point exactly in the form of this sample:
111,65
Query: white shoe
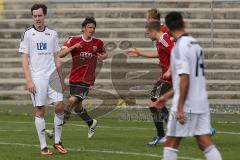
163,139
92,128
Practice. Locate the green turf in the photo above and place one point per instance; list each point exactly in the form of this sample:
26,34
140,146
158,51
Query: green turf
114,140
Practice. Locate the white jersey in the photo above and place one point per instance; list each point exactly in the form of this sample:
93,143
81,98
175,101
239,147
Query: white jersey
187,58
41,47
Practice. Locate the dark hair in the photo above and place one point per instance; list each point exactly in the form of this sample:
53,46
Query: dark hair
38,6
89,20
155,25
174,21
154,14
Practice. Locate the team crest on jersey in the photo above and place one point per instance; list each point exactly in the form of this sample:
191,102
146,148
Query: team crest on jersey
47,34
94,48
33,34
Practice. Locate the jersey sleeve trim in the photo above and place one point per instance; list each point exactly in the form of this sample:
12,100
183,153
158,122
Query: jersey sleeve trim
163,41
24,32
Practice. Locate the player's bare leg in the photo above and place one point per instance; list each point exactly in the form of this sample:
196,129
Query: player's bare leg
82,113
72,103
209,150
170,150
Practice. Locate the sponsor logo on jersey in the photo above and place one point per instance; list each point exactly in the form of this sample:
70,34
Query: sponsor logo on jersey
85,54
41,46
33,34
47,34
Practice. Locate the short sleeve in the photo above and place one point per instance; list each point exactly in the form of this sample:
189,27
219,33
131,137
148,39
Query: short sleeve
166,41
24,44
56,44
101,47
182,60
68,43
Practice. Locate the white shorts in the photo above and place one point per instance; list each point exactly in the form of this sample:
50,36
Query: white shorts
195,125
44,93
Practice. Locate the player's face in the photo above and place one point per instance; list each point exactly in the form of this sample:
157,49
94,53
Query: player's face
38,18
89,30
152,34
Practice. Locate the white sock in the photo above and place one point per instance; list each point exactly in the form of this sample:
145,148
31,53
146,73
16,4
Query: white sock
40,126
212,153
58,122
170,153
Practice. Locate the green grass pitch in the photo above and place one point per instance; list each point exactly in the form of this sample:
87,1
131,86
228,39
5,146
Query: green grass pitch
115,139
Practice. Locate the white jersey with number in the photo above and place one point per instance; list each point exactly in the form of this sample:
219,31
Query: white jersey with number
41,47
187,58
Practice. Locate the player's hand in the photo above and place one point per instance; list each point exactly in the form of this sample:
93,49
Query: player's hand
133,52
102,56
31,87
181,118
167,74
77,45
151,104
161,102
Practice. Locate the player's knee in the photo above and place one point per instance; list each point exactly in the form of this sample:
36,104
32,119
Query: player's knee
202,146
40,110
73,100
204,142
59,107
172,142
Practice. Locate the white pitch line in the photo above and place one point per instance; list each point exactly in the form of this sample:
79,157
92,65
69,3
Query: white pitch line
232,133
121,128
5,130
102,151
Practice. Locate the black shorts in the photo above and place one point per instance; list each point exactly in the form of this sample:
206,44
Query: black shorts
79,90
159,89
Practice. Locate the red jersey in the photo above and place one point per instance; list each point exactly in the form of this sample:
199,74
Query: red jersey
84,58
164,47
164,29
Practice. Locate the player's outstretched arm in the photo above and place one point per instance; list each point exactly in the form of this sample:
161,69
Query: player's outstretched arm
30,85
65,51
150,54
135,53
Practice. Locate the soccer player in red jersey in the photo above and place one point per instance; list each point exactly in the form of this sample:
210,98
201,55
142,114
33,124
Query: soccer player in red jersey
164,46
85,51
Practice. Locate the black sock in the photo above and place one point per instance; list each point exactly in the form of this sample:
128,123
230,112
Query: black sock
85,117
164,114
156,114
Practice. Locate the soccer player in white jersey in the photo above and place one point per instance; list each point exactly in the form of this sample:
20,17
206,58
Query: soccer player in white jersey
190,115
39,48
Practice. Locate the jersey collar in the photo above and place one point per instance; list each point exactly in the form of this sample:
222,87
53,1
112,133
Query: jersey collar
38,30
86,40
183,35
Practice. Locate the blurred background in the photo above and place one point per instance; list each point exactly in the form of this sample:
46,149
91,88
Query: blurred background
215,24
